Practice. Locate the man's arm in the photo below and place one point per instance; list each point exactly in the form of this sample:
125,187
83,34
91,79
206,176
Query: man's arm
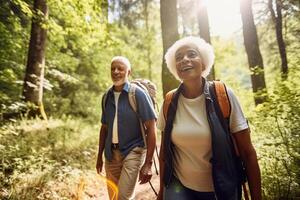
145,172
248,155
102,137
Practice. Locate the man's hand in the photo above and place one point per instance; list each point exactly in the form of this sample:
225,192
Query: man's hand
145,173
99,164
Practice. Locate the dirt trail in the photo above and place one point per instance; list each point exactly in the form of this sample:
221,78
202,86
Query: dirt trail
93,187
144,192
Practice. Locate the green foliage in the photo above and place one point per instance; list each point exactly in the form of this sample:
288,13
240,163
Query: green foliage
80,45
13,48
41,160
277,126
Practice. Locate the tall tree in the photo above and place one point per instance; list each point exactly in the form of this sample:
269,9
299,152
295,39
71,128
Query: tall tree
104,8
255,59
277,19
130,12
186,11
169,26
148,45
204,32
34,75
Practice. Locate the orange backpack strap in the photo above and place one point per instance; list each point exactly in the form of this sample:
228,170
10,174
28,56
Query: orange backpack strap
167,102
224,104
222,98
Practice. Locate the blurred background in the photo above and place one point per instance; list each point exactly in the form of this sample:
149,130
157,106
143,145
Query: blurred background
55,65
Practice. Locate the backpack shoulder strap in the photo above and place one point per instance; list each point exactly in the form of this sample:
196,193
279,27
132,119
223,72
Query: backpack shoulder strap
167,102
225,107
222,98
131,97
224,104
133,104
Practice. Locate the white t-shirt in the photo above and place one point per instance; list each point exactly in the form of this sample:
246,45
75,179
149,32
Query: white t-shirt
115,138
191,136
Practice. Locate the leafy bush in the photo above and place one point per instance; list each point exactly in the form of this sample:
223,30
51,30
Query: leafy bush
37,156
277,129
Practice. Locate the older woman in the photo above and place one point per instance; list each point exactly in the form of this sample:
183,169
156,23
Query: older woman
192,164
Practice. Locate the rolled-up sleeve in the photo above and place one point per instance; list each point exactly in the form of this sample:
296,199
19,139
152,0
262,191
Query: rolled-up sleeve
161,120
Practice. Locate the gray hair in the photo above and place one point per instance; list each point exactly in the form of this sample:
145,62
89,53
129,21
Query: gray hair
123,60
206,52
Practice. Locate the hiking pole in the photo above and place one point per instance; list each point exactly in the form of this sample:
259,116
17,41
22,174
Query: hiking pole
156,170
246,195
153,188
156,152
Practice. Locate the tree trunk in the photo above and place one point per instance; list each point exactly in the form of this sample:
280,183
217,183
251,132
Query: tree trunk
204,32
148,44
34,75
169,26
104,9
279,36
252,49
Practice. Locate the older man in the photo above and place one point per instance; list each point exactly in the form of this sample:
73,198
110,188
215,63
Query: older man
126,157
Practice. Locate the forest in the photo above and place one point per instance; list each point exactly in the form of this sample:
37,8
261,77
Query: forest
55,66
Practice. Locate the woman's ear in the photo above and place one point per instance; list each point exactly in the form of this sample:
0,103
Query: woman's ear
129,72
203,66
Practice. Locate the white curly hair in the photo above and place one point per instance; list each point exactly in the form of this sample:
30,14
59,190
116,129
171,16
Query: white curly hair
123,60
206,52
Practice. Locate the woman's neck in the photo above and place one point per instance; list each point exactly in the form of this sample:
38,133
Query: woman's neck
192,88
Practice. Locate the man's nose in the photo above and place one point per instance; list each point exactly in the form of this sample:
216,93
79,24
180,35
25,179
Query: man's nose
115,71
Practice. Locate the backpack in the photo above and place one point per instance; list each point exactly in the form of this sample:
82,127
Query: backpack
148,87
222,104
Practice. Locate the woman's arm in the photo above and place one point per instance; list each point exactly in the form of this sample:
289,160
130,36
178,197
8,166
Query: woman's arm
248,155
161,168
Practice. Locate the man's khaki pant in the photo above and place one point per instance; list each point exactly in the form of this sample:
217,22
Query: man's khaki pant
123,172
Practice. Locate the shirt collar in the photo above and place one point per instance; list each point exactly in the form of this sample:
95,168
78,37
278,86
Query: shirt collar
205,84
125,87
206,91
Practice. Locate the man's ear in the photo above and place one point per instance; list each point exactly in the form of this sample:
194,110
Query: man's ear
129,72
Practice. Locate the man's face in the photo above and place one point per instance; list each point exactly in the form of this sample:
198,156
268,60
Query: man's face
119,72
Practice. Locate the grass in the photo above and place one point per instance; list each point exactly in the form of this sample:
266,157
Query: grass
46,160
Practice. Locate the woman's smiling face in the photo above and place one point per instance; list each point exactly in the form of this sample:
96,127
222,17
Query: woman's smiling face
188,63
